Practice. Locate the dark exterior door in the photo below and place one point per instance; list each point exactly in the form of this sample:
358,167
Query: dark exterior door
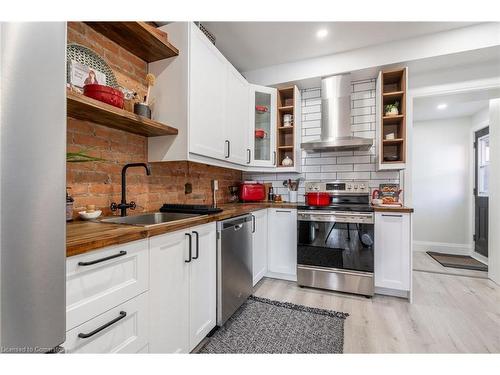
481,183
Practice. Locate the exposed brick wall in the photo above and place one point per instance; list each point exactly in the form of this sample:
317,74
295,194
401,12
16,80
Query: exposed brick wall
100,183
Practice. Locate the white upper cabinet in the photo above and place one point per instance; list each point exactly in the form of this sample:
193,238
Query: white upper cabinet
237,118
262,129
200,93
210,87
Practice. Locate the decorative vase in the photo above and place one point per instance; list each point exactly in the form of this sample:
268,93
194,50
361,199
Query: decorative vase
287,162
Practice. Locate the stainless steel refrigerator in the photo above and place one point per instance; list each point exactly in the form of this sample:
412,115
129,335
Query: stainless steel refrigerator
33,177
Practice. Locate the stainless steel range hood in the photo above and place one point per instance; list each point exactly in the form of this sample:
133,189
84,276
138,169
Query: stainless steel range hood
336,118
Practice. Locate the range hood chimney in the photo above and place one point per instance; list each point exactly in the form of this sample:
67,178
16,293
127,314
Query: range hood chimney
336,118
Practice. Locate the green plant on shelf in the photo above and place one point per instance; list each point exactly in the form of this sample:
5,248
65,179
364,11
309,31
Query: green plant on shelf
392,109
81,157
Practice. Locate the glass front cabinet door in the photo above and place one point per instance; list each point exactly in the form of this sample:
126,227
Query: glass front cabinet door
262,147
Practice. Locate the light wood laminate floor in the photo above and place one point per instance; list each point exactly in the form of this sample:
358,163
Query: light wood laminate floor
449,314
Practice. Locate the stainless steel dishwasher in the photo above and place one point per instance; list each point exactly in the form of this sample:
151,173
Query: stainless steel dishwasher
234,265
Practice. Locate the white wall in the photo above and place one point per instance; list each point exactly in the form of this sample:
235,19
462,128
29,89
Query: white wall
494,200
441,185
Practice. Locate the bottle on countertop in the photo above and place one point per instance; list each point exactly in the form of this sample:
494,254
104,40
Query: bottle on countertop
69,205
270,195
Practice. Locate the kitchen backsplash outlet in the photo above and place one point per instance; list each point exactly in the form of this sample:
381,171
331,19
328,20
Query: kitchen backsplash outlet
340,165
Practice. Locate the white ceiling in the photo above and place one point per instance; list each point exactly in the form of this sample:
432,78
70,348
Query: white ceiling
253,45
458,105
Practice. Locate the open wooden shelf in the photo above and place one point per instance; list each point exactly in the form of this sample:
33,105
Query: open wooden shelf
88,109
393,90
285,128
286,108
143,40
390,120
285,147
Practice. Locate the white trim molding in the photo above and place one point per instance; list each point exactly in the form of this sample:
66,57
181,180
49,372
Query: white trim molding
445,247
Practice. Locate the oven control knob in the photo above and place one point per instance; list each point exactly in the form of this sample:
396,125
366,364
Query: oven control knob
349,187
362,186
355,187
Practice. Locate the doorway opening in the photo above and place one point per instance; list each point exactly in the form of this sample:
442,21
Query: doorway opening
449,183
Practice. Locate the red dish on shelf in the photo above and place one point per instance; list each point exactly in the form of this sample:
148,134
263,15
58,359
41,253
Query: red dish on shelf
261,108
104,94
318,199
260,133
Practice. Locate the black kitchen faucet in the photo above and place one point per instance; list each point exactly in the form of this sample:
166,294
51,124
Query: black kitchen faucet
123,204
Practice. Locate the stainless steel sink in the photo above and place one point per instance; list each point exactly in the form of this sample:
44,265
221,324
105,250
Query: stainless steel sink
148,220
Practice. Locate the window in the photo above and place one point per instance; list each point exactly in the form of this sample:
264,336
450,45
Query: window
483,165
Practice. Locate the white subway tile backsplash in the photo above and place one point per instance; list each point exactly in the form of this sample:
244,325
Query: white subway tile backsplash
311,109
332,165
311,124
311,116
353,159
320,161
364,86
312,131
337,168
353,175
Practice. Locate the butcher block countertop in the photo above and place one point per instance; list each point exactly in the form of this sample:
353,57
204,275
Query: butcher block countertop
85,236
402,209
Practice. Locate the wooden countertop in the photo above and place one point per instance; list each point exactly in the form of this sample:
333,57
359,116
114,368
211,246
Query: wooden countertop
85,236
402,209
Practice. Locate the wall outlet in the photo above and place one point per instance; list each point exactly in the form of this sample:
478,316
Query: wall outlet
215,185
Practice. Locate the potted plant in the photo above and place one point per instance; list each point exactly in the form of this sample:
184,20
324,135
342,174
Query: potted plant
391,109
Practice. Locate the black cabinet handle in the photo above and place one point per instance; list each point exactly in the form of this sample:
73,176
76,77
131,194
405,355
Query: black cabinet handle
274,158
249,153
197,244
386,215
120,254
123,314
253,224
228,144
190,249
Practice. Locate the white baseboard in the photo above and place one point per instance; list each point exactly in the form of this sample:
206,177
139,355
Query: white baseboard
444,247
281,276
392,292
479,257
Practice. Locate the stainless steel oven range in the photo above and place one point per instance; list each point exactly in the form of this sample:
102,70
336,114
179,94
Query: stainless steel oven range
335,243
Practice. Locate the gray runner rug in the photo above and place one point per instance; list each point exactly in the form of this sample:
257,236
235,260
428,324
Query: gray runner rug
265,326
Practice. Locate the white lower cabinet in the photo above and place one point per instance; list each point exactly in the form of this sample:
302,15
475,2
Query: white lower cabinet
123,329
282,243
100,280
183,288
259,249
393,253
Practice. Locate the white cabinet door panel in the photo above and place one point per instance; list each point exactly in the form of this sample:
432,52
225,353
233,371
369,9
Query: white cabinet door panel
169,293
392,251
207,97
202,283
259,250
127,334
282,241
237,118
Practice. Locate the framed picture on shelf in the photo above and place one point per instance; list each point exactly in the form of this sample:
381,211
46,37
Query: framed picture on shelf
81,75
